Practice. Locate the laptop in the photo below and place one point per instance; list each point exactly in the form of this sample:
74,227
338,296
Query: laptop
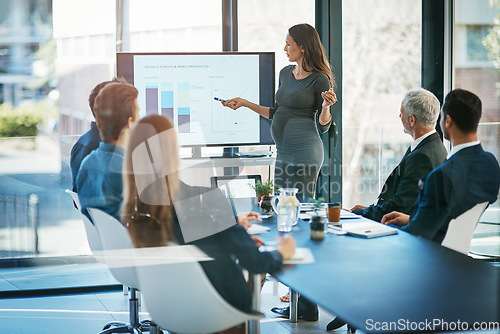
236,186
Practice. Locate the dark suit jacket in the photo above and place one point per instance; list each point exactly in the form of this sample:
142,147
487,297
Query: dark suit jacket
471,176
400,191
88,142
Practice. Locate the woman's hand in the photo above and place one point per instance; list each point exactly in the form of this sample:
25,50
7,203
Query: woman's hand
234,103
396,218
245,219
329,98
286,247
239,102
358,207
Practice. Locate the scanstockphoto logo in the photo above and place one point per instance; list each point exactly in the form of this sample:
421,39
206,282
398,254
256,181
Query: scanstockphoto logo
405,325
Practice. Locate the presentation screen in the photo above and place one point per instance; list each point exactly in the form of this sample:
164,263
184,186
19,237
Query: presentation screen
185,87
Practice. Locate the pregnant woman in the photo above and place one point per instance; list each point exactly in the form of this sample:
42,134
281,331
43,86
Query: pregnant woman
301,111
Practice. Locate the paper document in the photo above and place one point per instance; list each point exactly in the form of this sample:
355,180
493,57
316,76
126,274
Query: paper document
257,229
301,256
344,214
304,216
310,206
368,229
336,230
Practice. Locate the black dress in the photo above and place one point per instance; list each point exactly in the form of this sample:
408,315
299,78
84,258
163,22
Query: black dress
296,130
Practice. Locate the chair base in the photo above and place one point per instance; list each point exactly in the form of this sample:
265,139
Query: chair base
135,326
121,327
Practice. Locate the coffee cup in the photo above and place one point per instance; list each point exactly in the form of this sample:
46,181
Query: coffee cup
333,212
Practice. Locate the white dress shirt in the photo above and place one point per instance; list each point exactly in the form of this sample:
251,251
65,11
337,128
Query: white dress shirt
419,139
457,148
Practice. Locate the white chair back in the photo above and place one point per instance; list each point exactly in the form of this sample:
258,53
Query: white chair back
180,298
117,247
459,234
93,237
75,198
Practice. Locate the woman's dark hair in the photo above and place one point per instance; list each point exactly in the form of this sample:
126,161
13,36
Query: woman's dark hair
464,108
314,60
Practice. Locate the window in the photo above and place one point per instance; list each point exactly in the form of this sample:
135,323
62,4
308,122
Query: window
263,25
478,24
85,57
476,51
177,26
382,61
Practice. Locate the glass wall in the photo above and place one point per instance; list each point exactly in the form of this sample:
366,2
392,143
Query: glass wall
86,53
382,55
37,217
382,61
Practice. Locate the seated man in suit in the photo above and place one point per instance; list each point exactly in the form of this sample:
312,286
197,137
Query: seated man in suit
468,177
90,140
419,113
99,180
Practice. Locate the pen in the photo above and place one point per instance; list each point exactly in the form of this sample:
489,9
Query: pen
217,99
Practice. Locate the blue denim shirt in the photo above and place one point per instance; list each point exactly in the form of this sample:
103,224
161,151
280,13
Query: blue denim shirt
99,182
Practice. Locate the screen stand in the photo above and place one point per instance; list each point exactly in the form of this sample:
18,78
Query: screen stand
231,152
196,152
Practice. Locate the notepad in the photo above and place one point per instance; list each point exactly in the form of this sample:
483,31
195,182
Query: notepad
301,256
336,230
304,216
368,229
344,214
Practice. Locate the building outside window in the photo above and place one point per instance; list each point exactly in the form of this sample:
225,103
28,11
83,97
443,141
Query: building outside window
382,61
476,64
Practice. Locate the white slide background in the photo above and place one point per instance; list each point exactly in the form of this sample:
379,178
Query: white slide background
207,76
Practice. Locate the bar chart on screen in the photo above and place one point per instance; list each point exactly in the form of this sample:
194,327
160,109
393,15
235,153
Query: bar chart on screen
184,89
160,99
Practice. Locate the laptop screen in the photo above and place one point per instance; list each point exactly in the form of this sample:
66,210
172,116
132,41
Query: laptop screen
236,186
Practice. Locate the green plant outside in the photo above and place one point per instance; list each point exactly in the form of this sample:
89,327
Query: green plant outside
19,121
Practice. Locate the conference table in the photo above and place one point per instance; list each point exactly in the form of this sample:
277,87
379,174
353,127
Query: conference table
395,283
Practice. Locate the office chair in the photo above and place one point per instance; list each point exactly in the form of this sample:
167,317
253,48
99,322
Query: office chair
93,237
180,298
459,234
114,236
74,197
